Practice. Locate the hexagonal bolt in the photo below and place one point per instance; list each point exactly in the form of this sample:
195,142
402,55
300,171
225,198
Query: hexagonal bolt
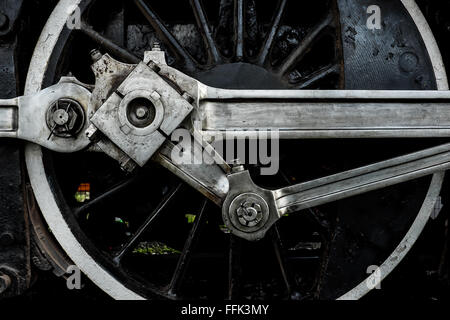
141,113
61,117
5,283
249,214
254,205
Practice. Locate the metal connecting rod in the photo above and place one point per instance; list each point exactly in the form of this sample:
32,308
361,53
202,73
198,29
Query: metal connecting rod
249,211
306,114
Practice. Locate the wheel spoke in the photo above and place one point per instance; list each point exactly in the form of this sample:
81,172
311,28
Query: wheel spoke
234,267
305,45
205,30
362,180
239,28
278,248
317,76
165,35
151,218
104,196
270,38
108,45
186,255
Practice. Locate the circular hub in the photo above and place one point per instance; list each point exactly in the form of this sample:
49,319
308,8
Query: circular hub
249,212
65,118
141,112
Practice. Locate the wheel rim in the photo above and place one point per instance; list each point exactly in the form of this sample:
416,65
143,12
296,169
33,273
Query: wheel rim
51,209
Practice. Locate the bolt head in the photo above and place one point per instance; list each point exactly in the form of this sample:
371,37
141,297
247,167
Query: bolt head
61,117
248,212
141,113
65,118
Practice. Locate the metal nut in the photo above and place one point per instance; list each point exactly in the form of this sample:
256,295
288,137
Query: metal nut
141,113
249,214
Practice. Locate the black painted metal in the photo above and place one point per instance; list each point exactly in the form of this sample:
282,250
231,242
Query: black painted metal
14,235
374,60
393,57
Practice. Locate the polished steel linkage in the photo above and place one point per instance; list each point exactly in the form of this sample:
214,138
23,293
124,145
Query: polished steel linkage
308,114
325,190
372,177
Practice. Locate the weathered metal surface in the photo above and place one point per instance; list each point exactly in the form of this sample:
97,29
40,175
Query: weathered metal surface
393,57
325,114
15,267
170,110
28,116
14,236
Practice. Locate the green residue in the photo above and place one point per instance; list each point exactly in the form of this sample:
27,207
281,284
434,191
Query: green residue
120,220
190,218
81,197
154,248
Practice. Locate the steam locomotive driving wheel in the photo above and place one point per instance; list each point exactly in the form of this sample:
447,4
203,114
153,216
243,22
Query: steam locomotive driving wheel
317,72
